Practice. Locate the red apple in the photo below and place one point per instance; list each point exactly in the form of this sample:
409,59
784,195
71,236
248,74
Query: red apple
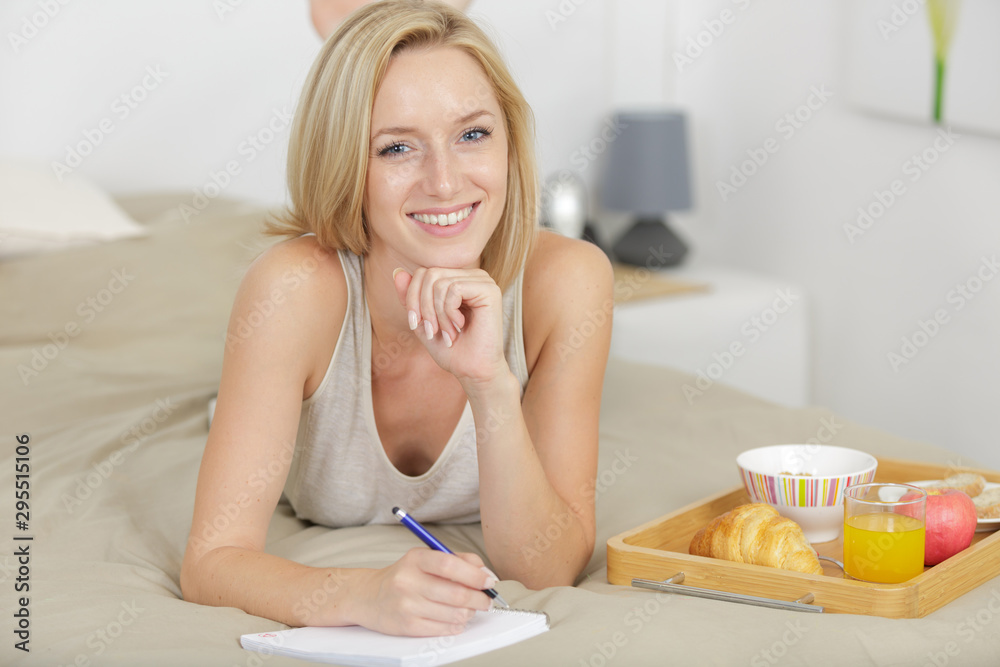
950,524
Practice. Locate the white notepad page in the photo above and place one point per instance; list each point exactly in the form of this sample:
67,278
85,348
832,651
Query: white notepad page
361,647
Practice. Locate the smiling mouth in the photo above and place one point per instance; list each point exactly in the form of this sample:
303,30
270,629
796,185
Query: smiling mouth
444,220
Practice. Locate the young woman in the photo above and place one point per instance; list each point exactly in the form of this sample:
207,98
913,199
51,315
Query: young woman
417,342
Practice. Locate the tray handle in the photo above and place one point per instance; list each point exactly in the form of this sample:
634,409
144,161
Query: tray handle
674,585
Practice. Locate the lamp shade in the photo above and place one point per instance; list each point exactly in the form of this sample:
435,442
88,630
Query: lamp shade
647,169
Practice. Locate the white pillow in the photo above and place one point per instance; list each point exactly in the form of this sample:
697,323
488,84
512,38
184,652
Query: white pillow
39,213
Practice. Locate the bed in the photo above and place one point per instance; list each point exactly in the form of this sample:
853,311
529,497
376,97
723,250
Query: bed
116,413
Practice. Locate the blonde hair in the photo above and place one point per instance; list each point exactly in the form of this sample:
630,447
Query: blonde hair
328,148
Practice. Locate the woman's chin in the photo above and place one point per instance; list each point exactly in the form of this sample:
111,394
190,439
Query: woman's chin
449,258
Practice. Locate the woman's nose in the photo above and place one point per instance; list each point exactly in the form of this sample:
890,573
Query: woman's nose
442,174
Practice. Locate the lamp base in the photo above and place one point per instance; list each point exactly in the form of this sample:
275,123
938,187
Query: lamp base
650,243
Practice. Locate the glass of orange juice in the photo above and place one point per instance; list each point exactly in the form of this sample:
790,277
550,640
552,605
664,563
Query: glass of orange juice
884,532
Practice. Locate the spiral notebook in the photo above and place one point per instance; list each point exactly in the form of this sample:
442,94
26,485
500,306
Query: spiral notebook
357,646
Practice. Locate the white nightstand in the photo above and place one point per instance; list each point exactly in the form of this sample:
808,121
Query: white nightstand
746,331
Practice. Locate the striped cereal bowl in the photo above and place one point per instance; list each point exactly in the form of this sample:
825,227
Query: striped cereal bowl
806,482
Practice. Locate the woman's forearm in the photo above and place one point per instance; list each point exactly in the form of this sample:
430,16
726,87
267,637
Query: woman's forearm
271,587
531,533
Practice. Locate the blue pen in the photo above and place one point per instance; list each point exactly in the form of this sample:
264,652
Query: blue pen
435,543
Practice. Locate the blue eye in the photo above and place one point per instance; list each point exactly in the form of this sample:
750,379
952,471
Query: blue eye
475,134
394,148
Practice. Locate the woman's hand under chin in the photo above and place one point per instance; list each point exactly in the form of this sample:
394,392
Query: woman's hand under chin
457,314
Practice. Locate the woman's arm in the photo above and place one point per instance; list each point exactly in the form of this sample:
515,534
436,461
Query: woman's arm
278,346
539,513
268,362
537,456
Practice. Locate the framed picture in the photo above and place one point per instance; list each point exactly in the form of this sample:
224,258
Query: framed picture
935,61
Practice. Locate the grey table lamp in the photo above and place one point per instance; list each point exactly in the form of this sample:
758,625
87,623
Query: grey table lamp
647,174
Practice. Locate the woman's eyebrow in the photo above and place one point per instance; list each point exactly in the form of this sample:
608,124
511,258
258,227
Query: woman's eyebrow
409,130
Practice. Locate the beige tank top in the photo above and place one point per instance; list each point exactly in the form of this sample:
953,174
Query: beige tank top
340,474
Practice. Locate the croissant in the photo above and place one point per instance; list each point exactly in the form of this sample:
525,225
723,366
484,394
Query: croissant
758,535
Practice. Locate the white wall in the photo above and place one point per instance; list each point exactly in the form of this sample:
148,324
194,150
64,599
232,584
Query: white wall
577,60
223,79
226,74
788,221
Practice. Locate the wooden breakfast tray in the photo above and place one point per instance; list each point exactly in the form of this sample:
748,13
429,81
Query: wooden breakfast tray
658,550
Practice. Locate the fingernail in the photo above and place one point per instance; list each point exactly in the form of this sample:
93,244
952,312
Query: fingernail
457,328
414,320
493,580
395,271
446,338
429,330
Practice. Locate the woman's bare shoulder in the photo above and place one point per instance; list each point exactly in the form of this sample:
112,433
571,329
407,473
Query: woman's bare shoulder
298,263
561,268
292,301
565,279
301,276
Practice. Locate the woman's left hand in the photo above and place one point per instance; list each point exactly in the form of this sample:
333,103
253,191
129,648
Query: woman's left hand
458,316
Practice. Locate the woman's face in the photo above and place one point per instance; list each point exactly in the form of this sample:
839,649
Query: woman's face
437,167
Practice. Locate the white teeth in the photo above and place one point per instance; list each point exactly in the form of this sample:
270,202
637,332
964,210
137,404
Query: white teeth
444,220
